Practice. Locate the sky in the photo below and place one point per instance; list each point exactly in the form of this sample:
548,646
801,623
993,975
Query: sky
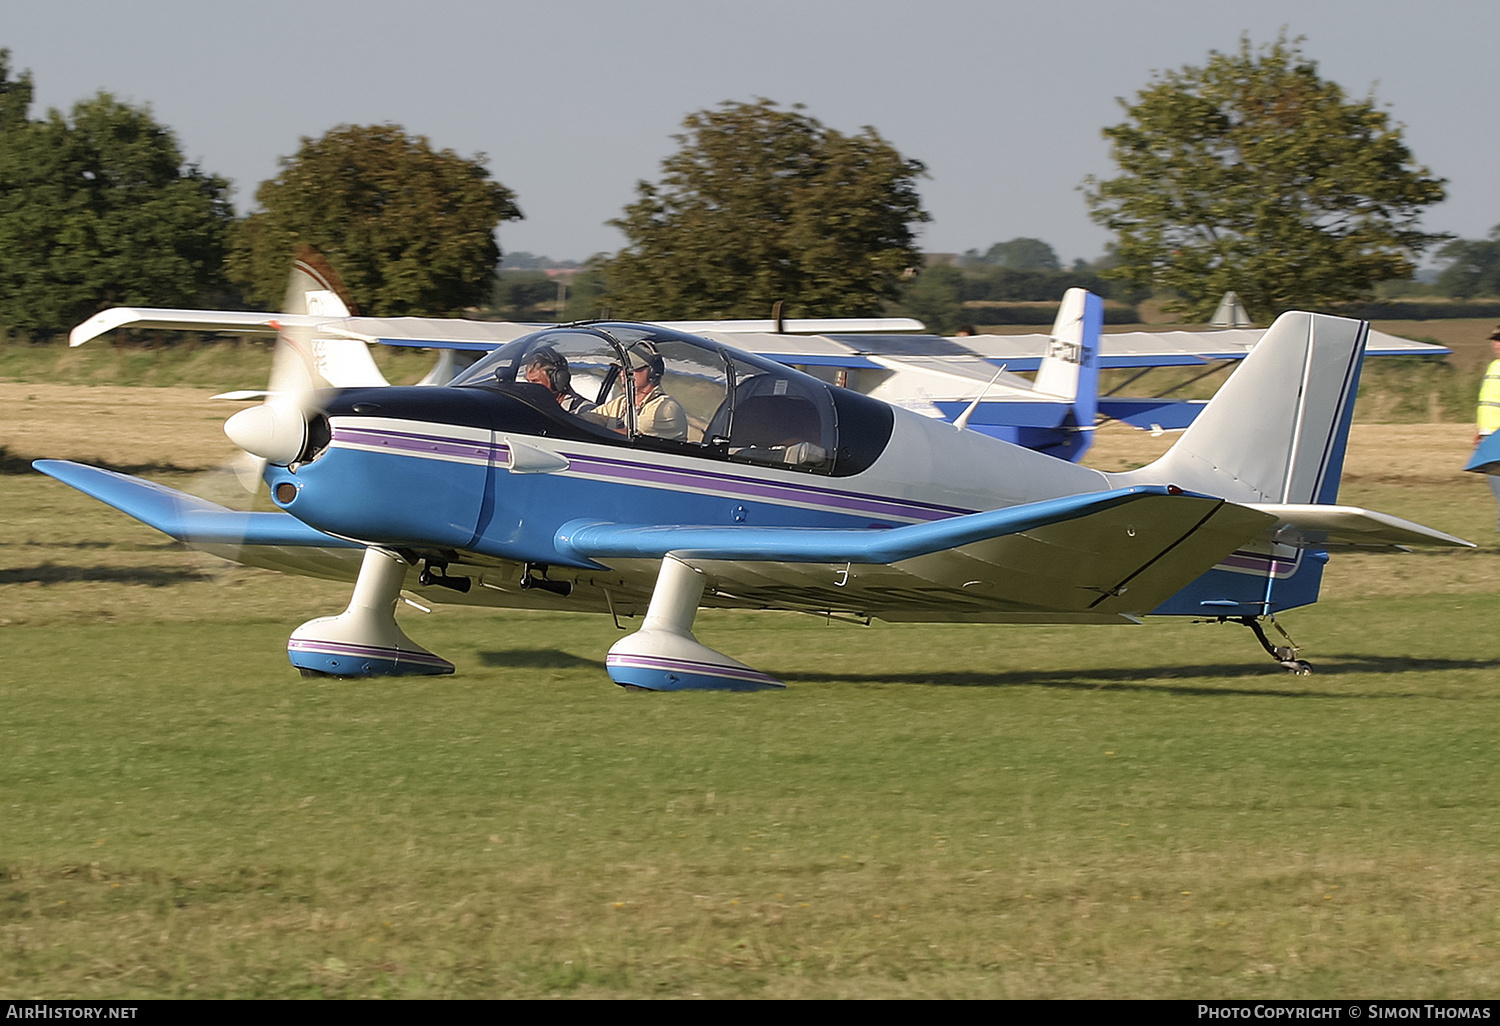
575,101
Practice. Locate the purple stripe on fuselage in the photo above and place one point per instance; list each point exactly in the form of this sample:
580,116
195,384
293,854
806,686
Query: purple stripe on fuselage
756,488
411,443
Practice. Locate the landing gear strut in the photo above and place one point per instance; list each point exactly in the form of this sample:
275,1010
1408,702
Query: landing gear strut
363,640
1286,655
664,656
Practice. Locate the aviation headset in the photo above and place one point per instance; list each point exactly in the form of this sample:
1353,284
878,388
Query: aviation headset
645,354
553,364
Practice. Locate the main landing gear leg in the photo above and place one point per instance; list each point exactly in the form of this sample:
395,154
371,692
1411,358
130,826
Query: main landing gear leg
1286,654
664,656
363,640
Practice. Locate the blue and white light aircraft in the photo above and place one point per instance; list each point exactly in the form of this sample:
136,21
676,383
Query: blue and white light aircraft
690,474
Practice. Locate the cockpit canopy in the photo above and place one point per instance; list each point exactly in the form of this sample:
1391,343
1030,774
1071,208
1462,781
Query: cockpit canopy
648,386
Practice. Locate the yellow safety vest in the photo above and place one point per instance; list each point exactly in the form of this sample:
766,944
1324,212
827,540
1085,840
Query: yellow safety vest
1489,400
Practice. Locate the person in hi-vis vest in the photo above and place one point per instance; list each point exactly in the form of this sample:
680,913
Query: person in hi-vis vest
1488,420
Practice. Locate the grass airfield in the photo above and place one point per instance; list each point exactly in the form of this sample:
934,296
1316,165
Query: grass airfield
927,811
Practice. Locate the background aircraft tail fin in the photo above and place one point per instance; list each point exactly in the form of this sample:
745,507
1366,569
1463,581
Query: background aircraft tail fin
316,289
1070,370
1074,350
1276,430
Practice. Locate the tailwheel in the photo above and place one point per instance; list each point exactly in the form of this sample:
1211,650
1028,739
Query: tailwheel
1285,655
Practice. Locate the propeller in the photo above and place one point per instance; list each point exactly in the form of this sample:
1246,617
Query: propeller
276,430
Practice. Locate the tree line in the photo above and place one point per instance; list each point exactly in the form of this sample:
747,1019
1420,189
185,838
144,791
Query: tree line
1250,173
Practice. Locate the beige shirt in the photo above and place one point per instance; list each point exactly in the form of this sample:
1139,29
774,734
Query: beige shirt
660,415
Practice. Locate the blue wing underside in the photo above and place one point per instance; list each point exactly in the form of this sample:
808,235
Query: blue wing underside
1107,556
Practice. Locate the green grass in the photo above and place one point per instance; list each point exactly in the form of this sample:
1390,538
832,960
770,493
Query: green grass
927,811
1150,814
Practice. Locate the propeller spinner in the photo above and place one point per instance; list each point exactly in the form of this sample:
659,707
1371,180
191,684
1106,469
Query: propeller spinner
277,430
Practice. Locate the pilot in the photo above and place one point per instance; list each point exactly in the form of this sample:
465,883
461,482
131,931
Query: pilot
656,413
548,368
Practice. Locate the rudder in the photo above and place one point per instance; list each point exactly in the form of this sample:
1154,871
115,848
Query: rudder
1277,429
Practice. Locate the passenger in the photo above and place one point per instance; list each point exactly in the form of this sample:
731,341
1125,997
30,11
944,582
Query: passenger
656,413
548,368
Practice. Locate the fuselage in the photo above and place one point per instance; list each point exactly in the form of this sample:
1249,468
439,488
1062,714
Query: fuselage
493,470
494,466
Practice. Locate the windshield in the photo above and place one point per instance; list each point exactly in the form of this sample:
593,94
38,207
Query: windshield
590,356
679,392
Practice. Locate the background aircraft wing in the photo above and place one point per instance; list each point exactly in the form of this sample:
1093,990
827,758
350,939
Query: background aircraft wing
429,332
425,332
1139,349
1099,557
809,342
798,325
229,321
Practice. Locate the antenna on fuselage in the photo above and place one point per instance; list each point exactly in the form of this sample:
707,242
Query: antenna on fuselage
962,421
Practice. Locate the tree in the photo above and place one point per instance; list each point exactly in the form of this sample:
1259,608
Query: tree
936,298
762,204
99,209
15,95
1252,173
1473,267
1019,254
410,230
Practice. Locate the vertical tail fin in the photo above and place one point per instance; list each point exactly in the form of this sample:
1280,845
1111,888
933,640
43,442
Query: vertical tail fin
1070,370
1274,433
315,288
1276,430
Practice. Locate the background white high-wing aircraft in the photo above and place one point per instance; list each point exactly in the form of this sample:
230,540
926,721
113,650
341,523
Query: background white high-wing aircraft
975,380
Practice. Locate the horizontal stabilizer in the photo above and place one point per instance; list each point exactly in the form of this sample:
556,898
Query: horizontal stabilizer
1152,414
1348,527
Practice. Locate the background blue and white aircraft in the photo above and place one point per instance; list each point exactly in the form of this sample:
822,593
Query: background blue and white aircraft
976,380
778,492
